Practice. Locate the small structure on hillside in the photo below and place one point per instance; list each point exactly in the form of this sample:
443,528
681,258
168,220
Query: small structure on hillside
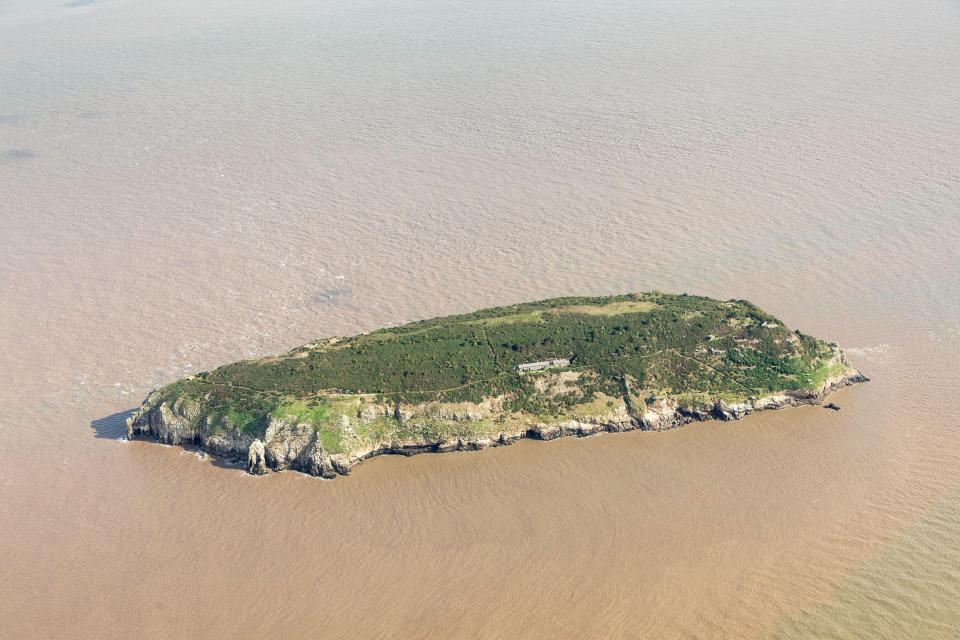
553,363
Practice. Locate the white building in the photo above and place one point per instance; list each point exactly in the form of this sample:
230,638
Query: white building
544,364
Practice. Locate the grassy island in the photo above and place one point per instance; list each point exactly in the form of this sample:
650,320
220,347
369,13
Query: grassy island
648,360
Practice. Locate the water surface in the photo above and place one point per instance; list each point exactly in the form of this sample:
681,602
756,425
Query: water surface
185,184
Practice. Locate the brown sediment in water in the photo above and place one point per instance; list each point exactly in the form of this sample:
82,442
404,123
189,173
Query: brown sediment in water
802,155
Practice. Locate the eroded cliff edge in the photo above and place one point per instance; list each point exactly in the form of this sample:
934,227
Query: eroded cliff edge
642,361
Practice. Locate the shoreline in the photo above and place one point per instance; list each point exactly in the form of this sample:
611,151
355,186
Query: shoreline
165,424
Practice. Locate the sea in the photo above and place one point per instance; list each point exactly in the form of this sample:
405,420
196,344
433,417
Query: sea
184,184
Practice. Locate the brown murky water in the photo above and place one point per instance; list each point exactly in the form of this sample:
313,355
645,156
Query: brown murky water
185,184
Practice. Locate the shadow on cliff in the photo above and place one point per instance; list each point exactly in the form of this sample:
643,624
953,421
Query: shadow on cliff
113,427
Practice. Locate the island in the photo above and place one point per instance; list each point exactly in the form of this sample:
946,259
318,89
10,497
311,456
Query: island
571,366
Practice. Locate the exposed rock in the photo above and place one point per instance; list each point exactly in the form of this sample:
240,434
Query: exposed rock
448,444
257,458
285,441
316,462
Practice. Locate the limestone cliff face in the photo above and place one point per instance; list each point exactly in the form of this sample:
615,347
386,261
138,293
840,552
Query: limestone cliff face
177,423
287,444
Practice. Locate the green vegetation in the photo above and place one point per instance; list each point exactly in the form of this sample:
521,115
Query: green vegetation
315,414
638,347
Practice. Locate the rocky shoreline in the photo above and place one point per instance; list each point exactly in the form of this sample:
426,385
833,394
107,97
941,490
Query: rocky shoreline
288,445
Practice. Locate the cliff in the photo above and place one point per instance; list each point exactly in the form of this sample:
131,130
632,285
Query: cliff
643,361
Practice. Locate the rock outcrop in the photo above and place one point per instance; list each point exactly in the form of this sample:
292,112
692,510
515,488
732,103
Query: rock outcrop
257,458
